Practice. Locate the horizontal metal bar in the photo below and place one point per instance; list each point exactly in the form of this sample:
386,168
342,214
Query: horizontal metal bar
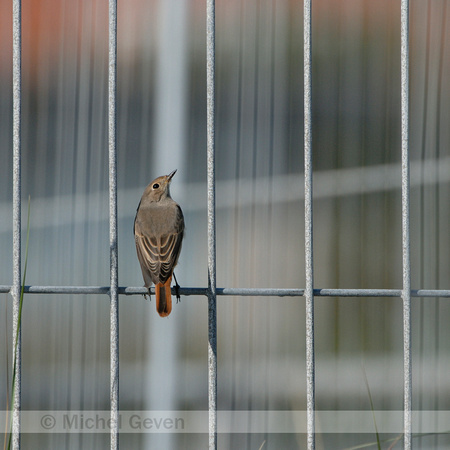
242,292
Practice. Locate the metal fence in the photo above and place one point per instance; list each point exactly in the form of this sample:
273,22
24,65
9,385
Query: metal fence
211,291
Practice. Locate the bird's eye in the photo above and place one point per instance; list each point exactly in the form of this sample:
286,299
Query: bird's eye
155,186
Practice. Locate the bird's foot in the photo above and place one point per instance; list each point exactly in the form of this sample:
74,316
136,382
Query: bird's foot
177,289
149,295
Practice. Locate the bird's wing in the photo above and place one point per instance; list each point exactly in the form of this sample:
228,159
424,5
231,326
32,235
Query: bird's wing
170,247
159,255
147,252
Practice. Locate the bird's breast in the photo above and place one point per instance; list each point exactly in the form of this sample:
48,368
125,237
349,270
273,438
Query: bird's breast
157,220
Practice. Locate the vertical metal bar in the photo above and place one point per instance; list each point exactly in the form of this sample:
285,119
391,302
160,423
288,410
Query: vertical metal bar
17,273
212,326
114,297
309,266
406,293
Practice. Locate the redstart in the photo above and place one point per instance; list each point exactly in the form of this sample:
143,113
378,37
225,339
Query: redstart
158,232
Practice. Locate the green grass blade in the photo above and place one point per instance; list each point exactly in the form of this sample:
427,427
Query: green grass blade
366,381
19,321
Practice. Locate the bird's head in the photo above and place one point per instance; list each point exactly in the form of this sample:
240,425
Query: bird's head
158,189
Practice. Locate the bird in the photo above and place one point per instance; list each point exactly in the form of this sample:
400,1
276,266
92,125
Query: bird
158,233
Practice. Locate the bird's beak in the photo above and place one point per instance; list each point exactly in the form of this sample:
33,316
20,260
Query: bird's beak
171,174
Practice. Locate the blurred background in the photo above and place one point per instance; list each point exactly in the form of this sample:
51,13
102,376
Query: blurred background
260,209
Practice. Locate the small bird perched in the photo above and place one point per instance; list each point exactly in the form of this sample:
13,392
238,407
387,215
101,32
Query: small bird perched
158,232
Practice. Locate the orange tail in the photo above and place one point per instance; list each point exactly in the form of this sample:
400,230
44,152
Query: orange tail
163,298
